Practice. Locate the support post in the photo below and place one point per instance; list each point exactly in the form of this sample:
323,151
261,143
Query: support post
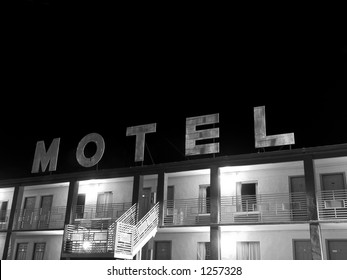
14,214
312,214
215,201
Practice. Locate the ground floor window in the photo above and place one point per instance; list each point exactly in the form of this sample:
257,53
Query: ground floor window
204,250
248,250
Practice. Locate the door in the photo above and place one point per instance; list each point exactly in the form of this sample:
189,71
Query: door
81,201
28,212
334,181
169,219
302,250
162,250
297,186
337,249
204,199
104,205
45,211
39,251
248,197
145,202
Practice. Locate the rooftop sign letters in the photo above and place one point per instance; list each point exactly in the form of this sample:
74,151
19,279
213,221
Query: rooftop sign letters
43,157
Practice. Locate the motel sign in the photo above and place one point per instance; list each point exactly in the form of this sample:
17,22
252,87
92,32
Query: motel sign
43,157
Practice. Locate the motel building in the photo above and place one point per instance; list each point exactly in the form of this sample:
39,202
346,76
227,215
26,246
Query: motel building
285,204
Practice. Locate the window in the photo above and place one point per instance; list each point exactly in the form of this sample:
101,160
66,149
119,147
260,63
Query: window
204,199
21,252
3,211
248,250
39,251
204,251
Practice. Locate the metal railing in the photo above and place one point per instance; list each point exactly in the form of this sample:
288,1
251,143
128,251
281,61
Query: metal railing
93,211
130,235
99,216
332,205
261,208
264,208
79,240
39,218
4,216
192,211
124,237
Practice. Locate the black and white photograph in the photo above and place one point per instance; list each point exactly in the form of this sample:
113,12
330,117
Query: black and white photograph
125,141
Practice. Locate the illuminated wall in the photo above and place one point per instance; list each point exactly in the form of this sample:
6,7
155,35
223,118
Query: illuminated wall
59,192
184,244
53,245
122,189
270,178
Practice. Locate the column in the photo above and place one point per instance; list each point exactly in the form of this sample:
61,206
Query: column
160,196
312,215
215,201
71,202
15,208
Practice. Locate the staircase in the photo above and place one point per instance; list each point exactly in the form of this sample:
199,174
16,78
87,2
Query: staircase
130,235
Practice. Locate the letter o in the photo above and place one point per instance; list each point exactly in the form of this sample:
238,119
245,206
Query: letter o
100,148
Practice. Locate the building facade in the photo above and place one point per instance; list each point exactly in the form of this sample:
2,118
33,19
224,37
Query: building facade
278,205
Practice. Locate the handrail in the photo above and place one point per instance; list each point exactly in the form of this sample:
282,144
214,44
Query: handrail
332,204
275,207
129,235
28,219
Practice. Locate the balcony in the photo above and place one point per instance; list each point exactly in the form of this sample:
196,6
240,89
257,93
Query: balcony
33,219
262,208
192,211
99,216
332,205
92,232
80,240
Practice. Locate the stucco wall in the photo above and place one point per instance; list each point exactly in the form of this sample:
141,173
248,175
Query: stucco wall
331,165
59,194
2,243
122,191
270,178
184,245
53,245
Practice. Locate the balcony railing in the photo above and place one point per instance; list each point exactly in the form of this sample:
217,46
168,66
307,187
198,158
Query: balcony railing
262,208
332,205
187,212
4,216
99,216
38,218
80,240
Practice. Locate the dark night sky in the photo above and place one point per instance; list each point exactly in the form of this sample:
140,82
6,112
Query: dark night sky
73,80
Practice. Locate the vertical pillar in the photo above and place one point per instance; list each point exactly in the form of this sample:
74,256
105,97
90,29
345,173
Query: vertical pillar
316,241
71,202
215,230
138,182
160,196
312,214
70,209
14,214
